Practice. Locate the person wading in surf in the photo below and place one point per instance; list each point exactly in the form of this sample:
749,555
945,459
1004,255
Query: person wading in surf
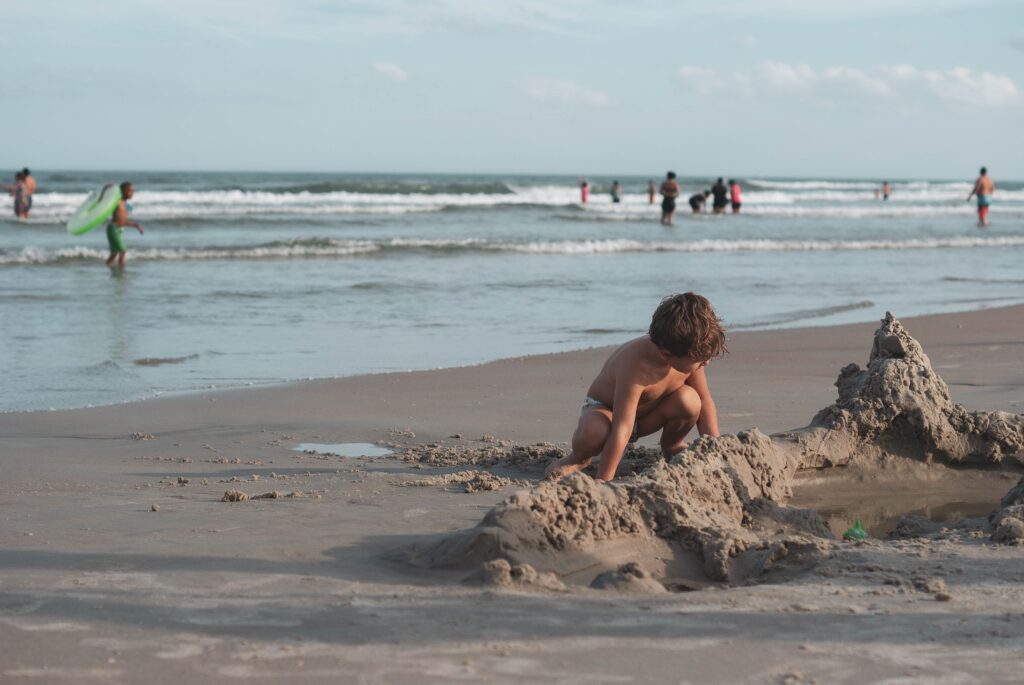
983,188
115,229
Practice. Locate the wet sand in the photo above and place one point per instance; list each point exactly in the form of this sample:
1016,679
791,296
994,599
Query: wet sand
96,585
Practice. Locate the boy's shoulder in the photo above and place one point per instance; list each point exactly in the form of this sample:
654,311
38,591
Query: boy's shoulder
637,357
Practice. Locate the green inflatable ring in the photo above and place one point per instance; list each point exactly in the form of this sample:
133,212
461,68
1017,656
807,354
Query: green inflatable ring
96,209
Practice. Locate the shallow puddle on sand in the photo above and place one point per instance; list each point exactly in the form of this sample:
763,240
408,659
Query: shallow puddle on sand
880,504
345,449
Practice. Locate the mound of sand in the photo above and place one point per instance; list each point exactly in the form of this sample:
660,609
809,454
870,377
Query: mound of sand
467,481
722,501
1008,521
899,405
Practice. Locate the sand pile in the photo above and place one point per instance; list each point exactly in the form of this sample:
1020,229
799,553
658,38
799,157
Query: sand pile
899,405
1008,521
524,458
722,502
466,481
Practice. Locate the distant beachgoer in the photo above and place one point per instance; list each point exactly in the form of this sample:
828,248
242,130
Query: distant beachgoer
19,191
584,191
983,188
616,192
115,229
30,184
670,190
721,197
651,190
698,201
734,196
885,190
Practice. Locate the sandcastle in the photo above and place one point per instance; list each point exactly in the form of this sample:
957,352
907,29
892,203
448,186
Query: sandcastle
724,500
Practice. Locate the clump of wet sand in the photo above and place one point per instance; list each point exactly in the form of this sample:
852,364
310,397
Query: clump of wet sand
532,459
468,481
239,496
722,502
499,573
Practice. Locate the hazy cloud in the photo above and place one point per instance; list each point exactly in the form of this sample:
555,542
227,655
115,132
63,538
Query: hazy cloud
557,90
782,76
959,84
701,79
975,88
392,71
857,78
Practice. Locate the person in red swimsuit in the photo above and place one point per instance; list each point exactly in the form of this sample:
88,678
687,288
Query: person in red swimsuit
983,188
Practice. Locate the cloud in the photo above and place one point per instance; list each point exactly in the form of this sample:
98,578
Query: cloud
900,71
868,85
975,88
392,71
788,77
832,84
701,79
557,90
838,10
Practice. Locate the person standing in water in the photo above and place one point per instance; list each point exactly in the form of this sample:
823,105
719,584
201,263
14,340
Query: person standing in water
983,188
721,197
670,190
22,191
30,187
698,201
616,191
115,229
17,192
734,196
584,191
651,190
885,190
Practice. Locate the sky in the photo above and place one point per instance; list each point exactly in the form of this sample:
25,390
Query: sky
808,88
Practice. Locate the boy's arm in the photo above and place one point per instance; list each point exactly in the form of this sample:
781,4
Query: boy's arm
707,423
627,397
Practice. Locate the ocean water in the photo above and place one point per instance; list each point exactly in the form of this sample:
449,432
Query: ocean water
246,279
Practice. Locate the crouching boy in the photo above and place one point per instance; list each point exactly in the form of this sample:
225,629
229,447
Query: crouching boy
655,382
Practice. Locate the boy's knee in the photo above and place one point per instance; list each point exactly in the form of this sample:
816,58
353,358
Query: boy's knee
689,403
591,432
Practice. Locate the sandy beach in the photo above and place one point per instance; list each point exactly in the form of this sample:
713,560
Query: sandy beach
119,561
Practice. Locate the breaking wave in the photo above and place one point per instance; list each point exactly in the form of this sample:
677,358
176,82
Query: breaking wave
320,248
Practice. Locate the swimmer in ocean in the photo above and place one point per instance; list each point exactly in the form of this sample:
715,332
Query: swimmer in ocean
698,201
115,229
670,190
983,188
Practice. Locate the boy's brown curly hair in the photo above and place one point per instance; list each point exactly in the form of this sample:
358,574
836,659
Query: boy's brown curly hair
685,325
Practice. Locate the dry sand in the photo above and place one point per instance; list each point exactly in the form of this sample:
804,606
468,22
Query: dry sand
119,561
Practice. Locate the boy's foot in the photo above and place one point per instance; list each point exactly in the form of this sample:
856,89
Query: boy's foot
563,467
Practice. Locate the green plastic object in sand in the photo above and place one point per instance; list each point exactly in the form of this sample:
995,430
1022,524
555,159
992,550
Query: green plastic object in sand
856,533
96,209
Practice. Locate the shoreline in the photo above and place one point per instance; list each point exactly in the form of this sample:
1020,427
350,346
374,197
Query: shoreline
256,386
772,380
